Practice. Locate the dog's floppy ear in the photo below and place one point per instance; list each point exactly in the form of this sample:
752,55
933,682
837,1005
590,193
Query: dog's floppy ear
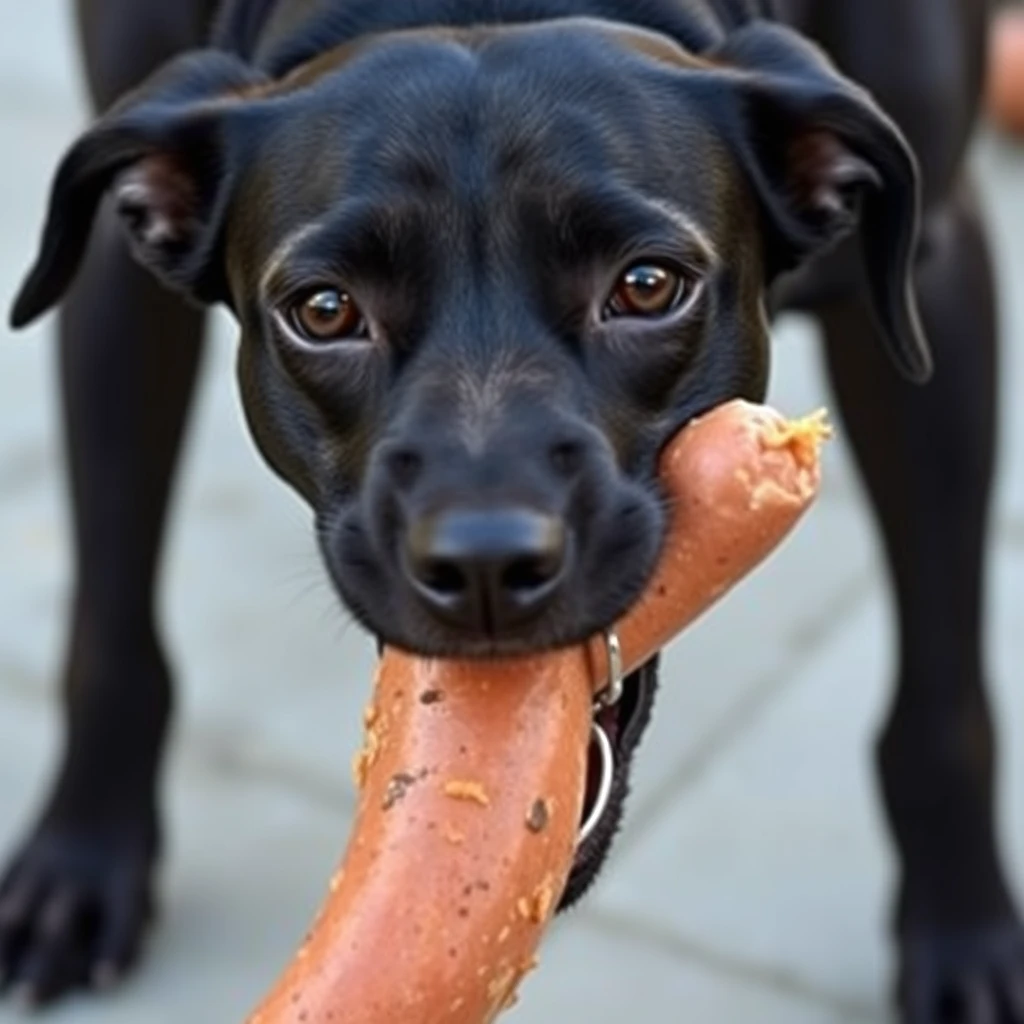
826,161
168,153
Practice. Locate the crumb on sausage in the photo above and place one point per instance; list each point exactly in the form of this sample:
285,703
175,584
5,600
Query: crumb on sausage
459,789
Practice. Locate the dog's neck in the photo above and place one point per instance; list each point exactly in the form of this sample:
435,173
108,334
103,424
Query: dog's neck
279,35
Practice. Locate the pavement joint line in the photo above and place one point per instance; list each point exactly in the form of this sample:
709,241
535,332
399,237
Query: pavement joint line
230,760
731,967
745,712
807,635
206,749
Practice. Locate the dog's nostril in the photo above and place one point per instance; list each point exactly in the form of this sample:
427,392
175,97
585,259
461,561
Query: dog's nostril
567,457
442,577
487,570
526,574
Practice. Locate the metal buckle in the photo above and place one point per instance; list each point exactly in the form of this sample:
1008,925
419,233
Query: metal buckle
612,693
607,698
604,745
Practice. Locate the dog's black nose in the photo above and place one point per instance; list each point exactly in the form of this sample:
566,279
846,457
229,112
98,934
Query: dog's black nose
487,570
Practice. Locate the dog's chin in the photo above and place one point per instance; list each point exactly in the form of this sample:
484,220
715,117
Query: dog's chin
409,629
432,641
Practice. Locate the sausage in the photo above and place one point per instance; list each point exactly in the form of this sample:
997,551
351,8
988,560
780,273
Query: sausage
473,778
472,775
738,480
1004,96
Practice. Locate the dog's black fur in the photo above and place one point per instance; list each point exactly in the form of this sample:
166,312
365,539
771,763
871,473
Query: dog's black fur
478,177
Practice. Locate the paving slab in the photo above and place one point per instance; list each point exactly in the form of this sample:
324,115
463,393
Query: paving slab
248,863
614,973
774,856
999,166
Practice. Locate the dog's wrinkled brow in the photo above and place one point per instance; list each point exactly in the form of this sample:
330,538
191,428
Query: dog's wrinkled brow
584,226
696,236
577,227
376,240
279,258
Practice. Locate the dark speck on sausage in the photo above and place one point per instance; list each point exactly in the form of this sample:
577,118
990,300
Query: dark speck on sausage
397,788
537,819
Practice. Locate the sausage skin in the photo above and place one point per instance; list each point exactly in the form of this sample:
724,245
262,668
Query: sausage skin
473,774
737,480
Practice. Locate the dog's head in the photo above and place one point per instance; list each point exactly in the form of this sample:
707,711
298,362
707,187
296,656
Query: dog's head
483,276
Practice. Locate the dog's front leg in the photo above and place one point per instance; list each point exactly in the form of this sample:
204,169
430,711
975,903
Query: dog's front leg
927,459
75,899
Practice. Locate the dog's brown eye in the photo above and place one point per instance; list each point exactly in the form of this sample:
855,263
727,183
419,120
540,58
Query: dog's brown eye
328,315
647,290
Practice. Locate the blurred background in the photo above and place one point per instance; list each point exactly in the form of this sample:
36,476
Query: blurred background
752,879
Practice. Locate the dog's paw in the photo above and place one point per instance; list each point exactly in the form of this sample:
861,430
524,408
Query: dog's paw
74,910
972,977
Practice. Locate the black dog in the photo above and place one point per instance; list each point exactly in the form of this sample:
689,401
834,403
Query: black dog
486,259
